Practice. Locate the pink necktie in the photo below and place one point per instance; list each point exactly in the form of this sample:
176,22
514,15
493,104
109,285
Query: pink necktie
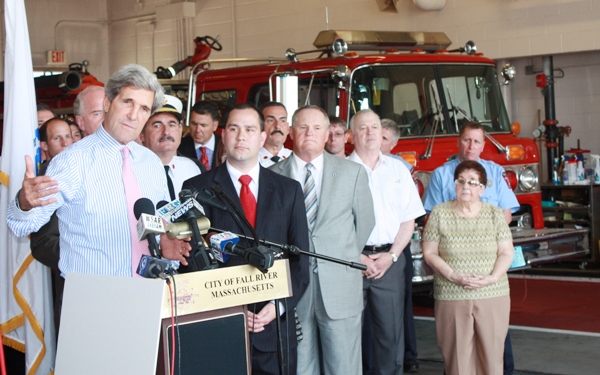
248,200
132,194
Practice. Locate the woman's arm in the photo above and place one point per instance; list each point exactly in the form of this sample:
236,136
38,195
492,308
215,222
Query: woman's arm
506,254
439,265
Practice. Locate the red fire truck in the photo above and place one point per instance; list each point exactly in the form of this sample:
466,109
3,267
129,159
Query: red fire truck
411,78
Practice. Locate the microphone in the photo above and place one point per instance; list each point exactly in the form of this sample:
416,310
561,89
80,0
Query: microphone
148,225
182,229
152,268
202,258
223,244
207,197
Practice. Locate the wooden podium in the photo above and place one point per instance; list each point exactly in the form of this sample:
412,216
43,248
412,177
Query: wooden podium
116,325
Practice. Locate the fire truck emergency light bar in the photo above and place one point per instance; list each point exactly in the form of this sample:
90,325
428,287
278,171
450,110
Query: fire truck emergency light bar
378,40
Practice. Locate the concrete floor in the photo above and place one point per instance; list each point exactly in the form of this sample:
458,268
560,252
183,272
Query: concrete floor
536,351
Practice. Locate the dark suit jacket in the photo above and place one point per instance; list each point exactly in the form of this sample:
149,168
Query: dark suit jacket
45,242
280,217
187,149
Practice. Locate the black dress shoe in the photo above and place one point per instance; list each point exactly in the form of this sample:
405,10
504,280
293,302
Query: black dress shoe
411,365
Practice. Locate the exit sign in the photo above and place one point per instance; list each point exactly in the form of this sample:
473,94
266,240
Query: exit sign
57,58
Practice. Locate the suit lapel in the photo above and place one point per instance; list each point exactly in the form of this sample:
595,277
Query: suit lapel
224,180
266,189
328,184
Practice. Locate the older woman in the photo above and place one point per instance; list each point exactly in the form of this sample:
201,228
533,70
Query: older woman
469,246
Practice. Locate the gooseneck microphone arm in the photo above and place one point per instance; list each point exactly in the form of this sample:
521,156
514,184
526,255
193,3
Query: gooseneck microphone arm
296,251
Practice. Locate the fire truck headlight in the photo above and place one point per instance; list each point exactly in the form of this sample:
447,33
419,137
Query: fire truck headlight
527,178
525,221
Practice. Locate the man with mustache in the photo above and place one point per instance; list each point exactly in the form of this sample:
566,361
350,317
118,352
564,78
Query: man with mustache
277,129
162,135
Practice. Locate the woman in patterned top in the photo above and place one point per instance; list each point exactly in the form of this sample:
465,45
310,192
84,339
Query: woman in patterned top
469,246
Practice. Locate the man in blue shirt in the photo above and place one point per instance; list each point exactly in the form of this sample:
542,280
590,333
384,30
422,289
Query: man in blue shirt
497,192
92,209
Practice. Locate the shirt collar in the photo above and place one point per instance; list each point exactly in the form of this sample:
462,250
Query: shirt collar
236,174
209,145
316,162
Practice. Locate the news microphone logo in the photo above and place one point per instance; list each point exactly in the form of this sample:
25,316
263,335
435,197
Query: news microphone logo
219,241
175,210
149,224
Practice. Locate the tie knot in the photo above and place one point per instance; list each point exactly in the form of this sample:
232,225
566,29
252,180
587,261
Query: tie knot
275,158
309,167
167,168
245,180
125,153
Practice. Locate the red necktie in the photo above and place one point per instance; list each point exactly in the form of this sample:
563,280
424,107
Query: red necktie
132,194
204,157
248,200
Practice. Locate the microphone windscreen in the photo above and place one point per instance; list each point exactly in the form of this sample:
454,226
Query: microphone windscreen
143,206
161,204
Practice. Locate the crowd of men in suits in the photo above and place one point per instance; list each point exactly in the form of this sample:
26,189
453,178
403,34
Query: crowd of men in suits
360,209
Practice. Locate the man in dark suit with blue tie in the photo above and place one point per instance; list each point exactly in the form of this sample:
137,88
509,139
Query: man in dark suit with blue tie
274,205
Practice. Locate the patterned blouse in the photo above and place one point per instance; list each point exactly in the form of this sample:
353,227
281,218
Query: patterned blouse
468,245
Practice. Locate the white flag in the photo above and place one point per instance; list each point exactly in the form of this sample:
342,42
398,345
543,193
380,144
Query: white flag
25,290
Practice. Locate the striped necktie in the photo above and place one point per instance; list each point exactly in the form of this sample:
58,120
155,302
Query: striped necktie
310,196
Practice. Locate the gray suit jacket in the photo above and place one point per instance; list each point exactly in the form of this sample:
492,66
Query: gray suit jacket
344,222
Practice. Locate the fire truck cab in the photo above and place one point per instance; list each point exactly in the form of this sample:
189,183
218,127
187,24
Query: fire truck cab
411,78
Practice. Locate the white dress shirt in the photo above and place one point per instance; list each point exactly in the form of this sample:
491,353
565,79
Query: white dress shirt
395,198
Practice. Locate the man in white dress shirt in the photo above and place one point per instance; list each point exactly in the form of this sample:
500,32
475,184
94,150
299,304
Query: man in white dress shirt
396,203
162,135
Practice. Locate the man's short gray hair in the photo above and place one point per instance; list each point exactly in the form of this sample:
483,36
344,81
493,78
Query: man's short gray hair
137,76
393,126
312,106
78,108
362,111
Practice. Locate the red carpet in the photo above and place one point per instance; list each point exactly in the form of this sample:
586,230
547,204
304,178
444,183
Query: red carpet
544,303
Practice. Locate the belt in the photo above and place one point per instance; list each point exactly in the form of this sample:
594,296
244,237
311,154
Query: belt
377,249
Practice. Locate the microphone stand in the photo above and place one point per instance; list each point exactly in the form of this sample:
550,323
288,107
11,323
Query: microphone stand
296,251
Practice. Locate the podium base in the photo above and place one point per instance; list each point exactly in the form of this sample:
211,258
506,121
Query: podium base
214,342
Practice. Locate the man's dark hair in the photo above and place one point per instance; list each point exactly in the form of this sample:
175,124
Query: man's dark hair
43,107
261,118
272,104
204,107
471,125
44,128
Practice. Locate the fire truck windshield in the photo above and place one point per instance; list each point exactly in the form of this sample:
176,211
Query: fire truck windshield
415,96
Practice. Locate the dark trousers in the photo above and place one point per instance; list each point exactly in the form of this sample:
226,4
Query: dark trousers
509,360
410,335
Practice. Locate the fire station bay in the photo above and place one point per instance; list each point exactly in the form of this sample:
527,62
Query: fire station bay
300,187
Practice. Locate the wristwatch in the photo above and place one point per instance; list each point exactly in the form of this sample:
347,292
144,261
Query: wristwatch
394,256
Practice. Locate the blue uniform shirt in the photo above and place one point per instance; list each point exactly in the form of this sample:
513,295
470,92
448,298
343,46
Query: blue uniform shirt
442,188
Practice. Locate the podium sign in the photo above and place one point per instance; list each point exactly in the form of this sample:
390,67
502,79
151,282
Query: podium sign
227,287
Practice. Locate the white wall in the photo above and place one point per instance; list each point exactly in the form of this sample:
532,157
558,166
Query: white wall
75,26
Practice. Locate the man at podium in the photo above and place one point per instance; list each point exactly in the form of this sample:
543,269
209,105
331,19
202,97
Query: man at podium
274,205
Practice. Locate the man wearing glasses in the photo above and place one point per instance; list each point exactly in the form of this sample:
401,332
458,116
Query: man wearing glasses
442,189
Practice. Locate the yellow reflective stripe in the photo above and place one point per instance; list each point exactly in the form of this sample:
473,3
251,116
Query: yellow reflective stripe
33,322
4,178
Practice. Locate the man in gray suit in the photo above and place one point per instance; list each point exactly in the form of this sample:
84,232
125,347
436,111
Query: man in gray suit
340,220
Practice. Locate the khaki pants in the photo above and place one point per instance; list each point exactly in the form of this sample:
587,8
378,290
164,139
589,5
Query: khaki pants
471,334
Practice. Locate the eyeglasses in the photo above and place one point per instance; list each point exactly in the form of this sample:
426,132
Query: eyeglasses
464,182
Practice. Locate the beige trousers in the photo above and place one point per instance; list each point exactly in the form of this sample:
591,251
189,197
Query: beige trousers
471,334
